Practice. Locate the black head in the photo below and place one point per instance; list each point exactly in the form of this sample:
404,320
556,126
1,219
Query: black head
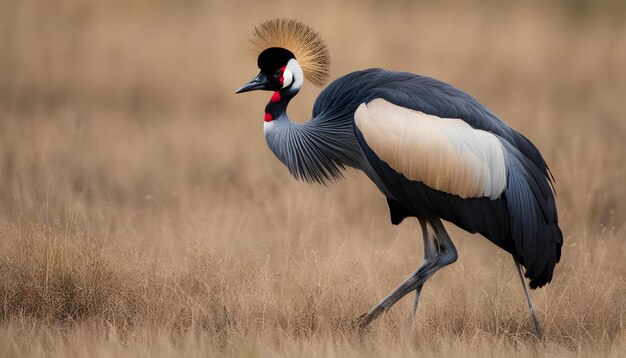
274,58
272,63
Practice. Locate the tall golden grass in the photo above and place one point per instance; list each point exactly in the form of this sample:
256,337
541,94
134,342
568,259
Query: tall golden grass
142,215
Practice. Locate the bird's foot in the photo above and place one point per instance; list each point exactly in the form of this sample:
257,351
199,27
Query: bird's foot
362,323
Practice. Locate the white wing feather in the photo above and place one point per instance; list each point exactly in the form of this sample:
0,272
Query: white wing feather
446,154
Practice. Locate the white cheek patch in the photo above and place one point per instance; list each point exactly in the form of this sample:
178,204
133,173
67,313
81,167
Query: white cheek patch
298,75
287,78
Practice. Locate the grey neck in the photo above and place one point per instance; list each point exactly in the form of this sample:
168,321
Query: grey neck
315,151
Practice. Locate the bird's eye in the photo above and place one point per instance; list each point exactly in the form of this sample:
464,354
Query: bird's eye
278,73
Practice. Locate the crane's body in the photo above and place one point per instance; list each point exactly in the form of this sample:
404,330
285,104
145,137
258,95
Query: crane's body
434,151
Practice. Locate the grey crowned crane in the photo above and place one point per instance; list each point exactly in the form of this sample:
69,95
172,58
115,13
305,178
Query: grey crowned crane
434,152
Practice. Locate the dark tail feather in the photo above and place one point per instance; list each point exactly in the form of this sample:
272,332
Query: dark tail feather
554,256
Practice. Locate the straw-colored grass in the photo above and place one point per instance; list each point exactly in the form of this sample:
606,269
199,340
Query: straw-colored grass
142,215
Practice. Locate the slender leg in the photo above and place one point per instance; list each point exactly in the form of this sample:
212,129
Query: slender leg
418,292
444,254
530,303
430,253
430,243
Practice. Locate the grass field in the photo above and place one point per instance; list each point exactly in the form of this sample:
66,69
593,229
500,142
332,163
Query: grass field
142,215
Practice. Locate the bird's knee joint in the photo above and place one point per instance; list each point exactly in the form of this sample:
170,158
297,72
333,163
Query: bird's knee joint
451,257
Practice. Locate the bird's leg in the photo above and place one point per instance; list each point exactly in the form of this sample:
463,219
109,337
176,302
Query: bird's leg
418,292
430,253
445,254
531,307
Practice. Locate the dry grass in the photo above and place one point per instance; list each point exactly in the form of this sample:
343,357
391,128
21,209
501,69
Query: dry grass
142,215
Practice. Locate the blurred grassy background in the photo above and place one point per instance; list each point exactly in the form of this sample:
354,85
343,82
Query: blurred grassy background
141,213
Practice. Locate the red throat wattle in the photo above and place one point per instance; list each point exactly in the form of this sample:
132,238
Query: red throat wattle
275,97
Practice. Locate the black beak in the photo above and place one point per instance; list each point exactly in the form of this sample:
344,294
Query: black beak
260,82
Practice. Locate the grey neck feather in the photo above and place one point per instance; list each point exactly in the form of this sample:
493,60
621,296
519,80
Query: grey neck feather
315,151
